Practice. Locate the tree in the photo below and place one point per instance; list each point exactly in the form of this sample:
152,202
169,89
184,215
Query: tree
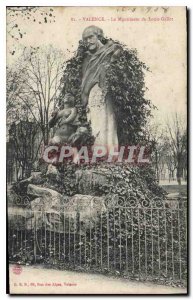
23,147
168,144
155,139
33,86
177,142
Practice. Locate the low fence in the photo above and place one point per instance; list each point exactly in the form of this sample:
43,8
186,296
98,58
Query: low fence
142,240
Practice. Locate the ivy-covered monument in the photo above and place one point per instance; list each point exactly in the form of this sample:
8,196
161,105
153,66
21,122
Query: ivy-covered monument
102,102
104,82
107,81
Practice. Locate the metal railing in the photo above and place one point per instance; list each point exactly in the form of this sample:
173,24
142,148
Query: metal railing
144,240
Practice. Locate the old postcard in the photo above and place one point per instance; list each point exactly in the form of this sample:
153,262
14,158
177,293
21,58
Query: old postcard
97,150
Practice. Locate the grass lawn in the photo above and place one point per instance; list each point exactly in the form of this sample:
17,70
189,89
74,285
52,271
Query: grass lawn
175,189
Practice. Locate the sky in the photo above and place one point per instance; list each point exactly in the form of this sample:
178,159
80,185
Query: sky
159,35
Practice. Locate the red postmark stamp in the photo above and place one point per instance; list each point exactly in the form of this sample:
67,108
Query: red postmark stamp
17,269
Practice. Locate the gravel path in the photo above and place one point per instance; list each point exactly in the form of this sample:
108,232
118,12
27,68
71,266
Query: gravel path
37,280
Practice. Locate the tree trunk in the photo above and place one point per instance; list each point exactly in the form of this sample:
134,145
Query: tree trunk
179,168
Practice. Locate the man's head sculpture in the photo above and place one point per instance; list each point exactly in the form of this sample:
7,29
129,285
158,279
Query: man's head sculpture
92,37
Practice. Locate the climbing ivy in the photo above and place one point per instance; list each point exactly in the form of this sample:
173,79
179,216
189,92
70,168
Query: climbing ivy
126,87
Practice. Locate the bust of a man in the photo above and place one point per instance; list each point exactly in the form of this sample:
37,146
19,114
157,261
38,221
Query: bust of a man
91,37
100,53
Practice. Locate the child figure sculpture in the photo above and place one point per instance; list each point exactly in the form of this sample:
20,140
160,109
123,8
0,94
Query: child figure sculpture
66,121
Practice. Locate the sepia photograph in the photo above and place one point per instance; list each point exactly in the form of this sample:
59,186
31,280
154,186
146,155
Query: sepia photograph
96,150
